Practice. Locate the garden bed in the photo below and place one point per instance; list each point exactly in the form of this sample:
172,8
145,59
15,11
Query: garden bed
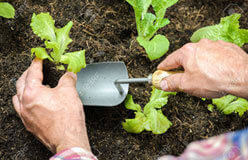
107,30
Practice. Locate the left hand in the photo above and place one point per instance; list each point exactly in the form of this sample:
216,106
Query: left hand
54,115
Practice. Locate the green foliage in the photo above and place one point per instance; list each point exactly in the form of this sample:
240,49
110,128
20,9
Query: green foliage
151,118
57,41
6,10
228,30
148,24
231,104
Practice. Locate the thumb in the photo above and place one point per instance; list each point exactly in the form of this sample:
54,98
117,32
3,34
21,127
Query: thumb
171,83
69,79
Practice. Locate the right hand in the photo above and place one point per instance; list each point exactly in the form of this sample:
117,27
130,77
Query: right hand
211,69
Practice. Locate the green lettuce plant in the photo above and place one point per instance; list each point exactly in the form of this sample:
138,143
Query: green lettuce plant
56,42
228,30
148,24
230,104
6,10
151,118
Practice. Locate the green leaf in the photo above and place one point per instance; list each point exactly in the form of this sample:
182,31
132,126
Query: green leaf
158,123
239,106
160,6
152,118
75,60
147,25
158,99
231,104
155,48
43,26
57,40
40,53
129,103
164,22
140,6
228,30
61,67
7,10
222,102
156,94
135,125
62,40
210,107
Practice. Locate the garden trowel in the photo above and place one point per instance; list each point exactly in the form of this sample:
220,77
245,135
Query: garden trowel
107,83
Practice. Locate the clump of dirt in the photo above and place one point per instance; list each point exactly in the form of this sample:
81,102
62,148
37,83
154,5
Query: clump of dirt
107,30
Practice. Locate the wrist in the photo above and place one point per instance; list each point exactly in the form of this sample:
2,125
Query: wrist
71,140
238,84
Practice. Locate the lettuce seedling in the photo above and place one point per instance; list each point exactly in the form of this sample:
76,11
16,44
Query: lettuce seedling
231,104
7,10
56,40
228,30
152,117
148,24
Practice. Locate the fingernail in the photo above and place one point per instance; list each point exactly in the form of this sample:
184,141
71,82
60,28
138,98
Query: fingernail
164,85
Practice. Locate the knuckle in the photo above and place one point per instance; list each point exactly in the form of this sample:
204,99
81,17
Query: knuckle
205,40
188,46
29,94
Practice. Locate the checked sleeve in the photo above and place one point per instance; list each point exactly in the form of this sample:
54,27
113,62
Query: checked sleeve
74,154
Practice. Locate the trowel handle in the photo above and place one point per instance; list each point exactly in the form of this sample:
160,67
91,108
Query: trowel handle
159,75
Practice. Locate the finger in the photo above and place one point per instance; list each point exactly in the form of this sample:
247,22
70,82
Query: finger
16,104
69,79
173,61
20,84
172,83
35,74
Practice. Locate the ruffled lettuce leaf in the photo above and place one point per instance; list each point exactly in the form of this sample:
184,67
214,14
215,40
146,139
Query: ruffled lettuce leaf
56,41
75,61
231,104
228,30
152,117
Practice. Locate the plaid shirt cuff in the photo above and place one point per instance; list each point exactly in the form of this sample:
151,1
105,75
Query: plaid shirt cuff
75,153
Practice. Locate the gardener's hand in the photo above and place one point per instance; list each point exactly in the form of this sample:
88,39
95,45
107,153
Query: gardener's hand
54,115
212,69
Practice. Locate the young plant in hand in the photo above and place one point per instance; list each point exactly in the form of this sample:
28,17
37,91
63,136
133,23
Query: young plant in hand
56,42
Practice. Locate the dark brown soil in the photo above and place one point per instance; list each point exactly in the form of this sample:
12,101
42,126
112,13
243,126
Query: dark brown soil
106,29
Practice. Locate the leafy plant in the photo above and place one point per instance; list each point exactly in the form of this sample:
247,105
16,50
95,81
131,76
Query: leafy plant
7,10
148,24
151,118
228,30
230,104
56,40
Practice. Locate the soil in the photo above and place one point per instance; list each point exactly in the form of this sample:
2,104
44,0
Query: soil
106,29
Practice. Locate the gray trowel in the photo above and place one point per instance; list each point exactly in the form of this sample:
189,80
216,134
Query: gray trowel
107,83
